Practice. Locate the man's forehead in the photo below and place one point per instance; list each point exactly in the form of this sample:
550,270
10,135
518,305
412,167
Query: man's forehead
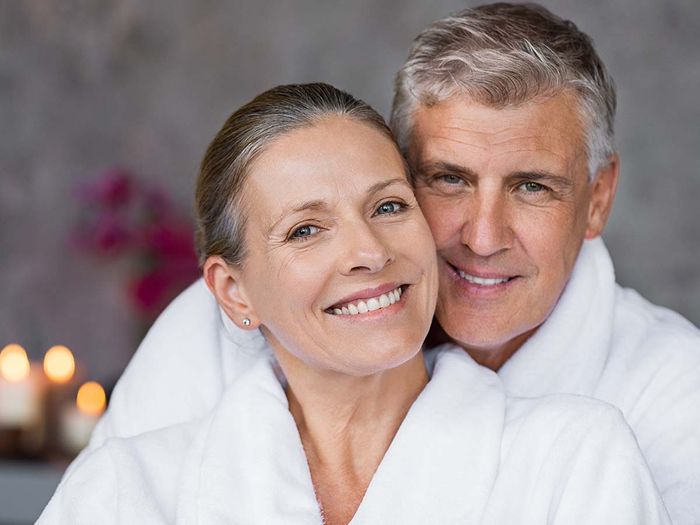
551,123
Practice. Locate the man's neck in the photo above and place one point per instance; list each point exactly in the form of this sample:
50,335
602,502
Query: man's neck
495,357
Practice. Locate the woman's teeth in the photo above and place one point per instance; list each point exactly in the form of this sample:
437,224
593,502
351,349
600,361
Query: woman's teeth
482,281
369,305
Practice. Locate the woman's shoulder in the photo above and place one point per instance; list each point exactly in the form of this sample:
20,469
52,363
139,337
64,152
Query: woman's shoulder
138,475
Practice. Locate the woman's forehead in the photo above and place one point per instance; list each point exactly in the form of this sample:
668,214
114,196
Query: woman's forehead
334,156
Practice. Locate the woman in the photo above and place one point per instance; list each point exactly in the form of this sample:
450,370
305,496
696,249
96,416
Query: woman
310,233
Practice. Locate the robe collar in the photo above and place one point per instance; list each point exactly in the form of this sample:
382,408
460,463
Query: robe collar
567,354
247,464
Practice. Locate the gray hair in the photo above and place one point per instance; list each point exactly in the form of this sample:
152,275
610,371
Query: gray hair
504,55
244,136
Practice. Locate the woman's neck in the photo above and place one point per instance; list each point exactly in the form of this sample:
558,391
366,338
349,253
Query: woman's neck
346,425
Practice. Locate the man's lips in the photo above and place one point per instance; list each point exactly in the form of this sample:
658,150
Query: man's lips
481,276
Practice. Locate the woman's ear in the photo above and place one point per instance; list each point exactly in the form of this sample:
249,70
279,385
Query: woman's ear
225,283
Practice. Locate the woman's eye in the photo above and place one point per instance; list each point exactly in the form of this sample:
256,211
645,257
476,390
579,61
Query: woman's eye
304,232
390,207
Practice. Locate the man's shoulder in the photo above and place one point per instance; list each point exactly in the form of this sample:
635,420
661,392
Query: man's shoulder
555,429
559,412
644,330
653,367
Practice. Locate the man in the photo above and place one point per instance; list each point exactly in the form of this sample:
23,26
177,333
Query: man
505,114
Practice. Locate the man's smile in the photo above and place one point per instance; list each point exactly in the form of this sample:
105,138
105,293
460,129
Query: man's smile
481,282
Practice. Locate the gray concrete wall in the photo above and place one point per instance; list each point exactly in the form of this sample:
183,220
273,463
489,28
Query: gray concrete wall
86,84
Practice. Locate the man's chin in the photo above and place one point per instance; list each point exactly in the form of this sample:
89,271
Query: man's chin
488,348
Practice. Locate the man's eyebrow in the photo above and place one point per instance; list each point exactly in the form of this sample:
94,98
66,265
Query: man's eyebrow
542,176
444,167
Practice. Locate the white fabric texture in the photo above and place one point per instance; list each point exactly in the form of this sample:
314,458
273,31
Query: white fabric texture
601,341
464,455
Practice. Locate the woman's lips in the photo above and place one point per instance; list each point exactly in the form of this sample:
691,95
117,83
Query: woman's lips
367,304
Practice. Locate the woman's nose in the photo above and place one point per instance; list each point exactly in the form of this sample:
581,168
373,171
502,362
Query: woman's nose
365,250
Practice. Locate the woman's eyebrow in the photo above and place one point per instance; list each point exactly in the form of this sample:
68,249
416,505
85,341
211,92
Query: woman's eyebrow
304,206
379,186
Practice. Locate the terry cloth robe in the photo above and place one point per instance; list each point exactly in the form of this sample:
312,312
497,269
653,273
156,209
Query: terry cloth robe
601,341
463,455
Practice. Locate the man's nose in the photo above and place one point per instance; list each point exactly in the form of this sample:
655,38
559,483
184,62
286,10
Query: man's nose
487,229
365,250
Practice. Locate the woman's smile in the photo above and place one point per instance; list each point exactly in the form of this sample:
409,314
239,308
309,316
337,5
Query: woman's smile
370,300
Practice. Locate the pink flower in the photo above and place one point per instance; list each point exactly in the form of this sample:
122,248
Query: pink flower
152,291
113,189
171,239
121,218
148,291
108,235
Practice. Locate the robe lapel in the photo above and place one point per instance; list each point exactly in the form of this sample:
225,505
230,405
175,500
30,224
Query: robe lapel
568,352
443,462
247,465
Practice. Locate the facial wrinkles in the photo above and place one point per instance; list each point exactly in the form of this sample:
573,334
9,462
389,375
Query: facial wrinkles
505,128
317,253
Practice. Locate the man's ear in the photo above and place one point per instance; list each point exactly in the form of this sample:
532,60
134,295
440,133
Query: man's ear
225,283
603,191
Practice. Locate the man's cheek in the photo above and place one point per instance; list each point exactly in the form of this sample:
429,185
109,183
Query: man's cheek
444,218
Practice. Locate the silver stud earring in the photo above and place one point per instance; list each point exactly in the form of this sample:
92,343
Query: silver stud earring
246,322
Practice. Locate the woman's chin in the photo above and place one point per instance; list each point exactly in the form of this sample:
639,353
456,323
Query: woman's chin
380,360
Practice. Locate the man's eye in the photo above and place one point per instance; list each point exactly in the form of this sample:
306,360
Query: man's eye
449,178
390,207
532,187
304,232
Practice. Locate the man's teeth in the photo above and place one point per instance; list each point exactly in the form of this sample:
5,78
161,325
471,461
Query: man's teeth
369,305
482,281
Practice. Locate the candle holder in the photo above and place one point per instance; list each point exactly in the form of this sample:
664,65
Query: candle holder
22,395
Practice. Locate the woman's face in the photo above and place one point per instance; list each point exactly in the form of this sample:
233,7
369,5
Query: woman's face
340,268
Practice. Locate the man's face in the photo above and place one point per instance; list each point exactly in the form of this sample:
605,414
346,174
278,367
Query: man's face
507,196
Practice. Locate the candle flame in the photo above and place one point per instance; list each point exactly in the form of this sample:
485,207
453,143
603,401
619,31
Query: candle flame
59,364
91,399
14,364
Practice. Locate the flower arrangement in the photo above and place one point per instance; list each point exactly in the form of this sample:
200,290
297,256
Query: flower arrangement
121,218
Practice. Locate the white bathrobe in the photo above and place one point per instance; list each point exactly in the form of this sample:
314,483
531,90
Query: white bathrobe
601,340
464,455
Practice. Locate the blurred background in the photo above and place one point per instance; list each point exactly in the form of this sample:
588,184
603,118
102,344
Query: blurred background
106,108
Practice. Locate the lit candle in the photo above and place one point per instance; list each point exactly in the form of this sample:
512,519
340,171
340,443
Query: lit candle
20,389
80,420
60,369
59,364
